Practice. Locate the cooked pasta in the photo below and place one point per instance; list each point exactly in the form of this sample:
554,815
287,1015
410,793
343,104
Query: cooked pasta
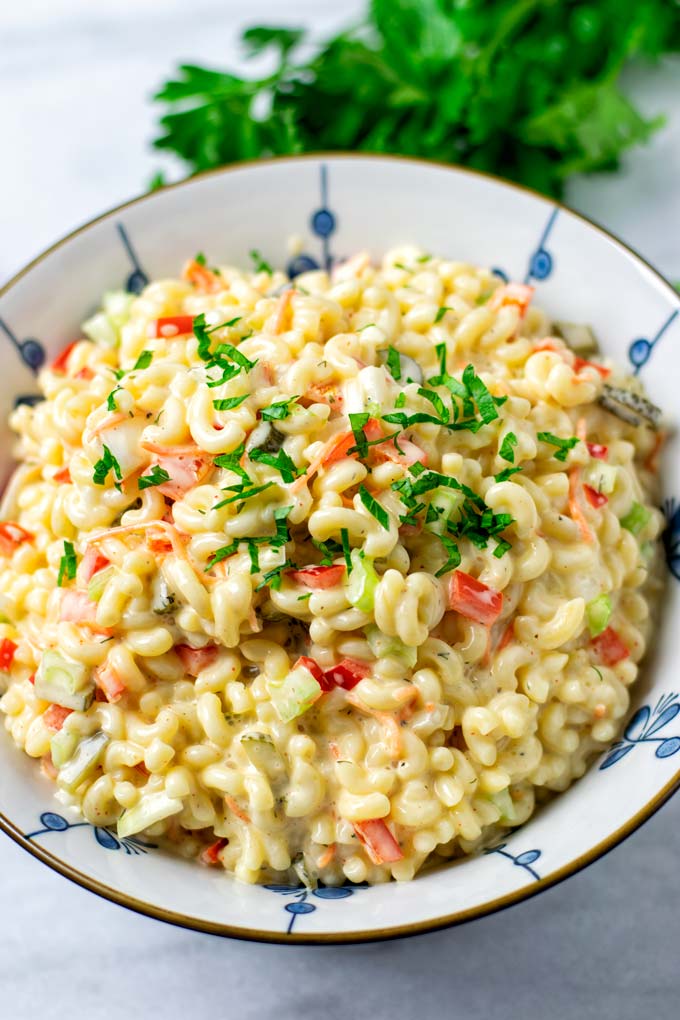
324,579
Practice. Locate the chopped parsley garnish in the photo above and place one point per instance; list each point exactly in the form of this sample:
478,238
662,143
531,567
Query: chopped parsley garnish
229,403
501,549
231,462
202,332
67,564
394,363
111,399
346,550
453,555
563,445
254,554
243,494
143,361
281,461
357,422
374,508
107,462
223,553
304,598
436,402
441,312
278,411
506,473
157,476
508,447
486,404
272,578
259,264
233,353
200,258
329,550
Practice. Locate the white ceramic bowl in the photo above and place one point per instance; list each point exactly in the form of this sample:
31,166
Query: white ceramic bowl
337,205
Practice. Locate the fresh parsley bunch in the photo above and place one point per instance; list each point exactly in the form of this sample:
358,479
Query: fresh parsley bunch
528,89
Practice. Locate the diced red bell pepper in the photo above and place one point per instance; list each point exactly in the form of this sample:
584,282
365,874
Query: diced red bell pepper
595,498
78,607
7,650
380,844
318,577
475,600
60,363
109,683
62,475
580,363
312,666
54,716
609,647
85,373
172,325
196,659
92,562
347,673
12,536
597,450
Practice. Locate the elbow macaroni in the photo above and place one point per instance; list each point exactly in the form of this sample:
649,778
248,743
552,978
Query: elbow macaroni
190,608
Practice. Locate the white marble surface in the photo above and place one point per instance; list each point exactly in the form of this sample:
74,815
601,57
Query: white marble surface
75,129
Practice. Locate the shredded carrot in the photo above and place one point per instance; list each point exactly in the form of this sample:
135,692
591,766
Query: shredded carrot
238,811
168,530
282,311
389,720
575,510
355,264
581,430
652,462
189,449
507,637
326,857
202,278
106,423
600,711
335,449
334,750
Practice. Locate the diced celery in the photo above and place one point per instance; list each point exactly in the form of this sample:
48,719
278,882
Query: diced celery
98,582
636,518
104,327
601,477
62,746
63,682
117,304
384,647
446,503
296,694
87,756
579,337
152,808
261,752
361,584
598,613
503,802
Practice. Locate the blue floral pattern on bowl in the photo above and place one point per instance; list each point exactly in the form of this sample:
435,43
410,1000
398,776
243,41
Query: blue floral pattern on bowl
53,822
524,860
643,729
300,903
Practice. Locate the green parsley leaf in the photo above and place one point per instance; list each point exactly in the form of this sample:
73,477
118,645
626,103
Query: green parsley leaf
507,447
501,549
229,403
394,363
374,508
232,462
453,555
157,476
200,258
563,445
436,402
259,264
111,399
223,553
329,550
441,312
233,353
478,391
278,411
254,554
243,494
143,361
506,473
67,564
346,549
357,423
107,462
272,578
280,460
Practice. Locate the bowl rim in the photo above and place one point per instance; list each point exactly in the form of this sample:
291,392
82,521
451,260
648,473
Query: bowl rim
396,931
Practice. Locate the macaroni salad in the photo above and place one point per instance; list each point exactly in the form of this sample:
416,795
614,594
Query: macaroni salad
320,580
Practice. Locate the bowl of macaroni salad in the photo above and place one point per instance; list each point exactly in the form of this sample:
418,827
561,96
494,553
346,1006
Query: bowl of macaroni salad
336,530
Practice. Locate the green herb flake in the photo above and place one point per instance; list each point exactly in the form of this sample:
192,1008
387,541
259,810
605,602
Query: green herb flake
346,549
441,312
357,423
157,476
106,463
394,363
143,361
111,404
259,264
67,564
229,403
278,411
506,473
508,447
280,460
374,508
563,445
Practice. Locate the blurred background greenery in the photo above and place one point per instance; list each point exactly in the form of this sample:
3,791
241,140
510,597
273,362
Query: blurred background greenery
527,89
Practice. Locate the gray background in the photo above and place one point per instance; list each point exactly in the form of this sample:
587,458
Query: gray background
75,124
